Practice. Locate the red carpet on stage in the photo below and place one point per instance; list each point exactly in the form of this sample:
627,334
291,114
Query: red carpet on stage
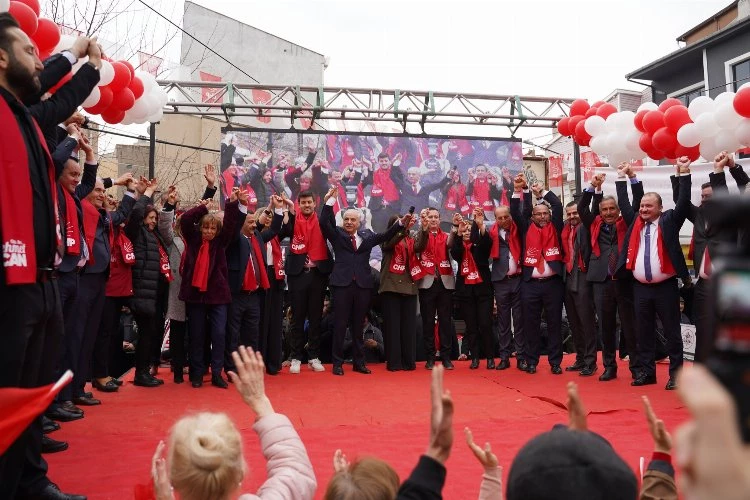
384,415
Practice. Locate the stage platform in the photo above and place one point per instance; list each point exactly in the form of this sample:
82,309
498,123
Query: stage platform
384,414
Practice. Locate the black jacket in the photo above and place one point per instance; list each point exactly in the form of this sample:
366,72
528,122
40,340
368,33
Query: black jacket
147,267
523,221
238,252
295,263
481,244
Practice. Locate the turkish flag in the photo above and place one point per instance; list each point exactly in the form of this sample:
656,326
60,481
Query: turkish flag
20,406
555,171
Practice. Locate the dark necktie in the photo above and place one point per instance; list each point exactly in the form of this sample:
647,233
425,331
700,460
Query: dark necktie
647,253
612,259
354,243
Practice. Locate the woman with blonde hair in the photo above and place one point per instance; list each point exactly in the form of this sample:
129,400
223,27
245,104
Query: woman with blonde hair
205,458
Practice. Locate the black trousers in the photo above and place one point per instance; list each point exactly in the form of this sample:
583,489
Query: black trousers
476,310
548,295
68,284
350,306
273,315
32,324
243,324
105,347
705,319
87,315
579,304
162,303
306,292
177,334
147,336
431,300
662,299
614,298
198,317
399,330
508,299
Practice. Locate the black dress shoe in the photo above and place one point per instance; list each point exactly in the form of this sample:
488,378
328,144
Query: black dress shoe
588,371
447,364
69,406
52,492
49,425
178,377
474,364
196,383
430,364
556,370
145,380
671,385
218,381
362,369
491,363
504,364
62,415
530,369
644,380
86,401
116,381
338,370
522,365
50,445
575,367
410,368
110,386
609,374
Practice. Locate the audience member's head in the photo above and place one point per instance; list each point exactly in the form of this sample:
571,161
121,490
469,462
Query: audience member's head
609,210
651,207
150,217
306,201
210,226
71,175
366,479
19,63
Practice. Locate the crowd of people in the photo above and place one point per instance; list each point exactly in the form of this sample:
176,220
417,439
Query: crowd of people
74,257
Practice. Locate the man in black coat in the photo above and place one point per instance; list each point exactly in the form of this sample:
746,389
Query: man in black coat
654,258
351,280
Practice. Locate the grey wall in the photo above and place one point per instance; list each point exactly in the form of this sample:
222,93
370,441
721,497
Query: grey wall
718,54
678,78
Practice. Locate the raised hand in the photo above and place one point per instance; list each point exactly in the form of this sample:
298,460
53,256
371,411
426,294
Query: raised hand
124,179
242,196
441,419
172,195
249,380
519,182
537,189
457,219
662,438
278,201
209,173
576,411
485,456
162,487
94,51
310,145
598,180
233,194
332,193
423,218
407,220
80,47
340,463
683,165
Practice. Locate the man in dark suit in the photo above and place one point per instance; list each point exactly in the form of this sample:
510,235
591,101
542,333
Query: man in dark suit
415,194
579,298
613,296
248,281
542,273
351,279
654,258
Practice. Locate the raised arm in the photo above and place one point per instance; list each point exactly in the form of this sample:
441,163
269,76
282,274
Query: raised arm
123,210
189,222
133,226
683,206
326,219
557,209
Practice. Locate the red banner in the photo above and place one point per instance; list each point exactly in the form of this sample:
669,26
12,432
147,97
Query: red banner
149,63
212,95
555,171
262,97
589,160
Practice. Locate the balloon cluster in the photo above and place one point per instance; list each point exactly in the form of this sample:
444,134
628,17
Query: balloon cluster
670,130
123,95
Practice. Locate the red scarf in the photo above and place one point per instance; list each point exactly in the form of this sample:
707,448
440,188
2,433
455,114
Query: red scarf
569,240
278,259
436,254
541,246
512,239
252,199
72,226
16,201
308,238
91,217
403,252
341,198
596,227
455,199
481,194
122,252
166,269
635,242
469,267
384,186
202,263
250,281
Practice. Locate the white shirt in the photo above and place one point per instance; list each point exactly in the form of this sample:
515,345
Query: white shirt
639,271
546,274
512,266
703,274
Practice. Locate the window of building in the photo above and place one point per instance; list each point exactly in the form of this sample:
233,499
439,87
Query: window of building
690,96
741,73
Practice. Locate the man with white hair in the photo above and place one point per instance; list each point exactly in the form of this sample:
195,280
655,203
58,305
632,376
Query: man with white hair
414,194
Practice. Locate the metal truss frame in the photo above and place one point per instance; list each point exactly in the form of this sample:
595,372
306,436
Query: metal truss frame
402,107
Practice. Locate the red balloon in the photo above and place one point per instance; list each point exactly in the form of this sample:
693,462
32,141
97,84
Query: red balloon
591,112
693,153
573,123
668,103
653,121
104,101
123,100
33,5
606,109
562,125
25,17
130,67
664,140
638,120
581,136
65,79
136,86
113,115
654,154
579,107
675,117
741,102
122,76
645,143
47,35
597,104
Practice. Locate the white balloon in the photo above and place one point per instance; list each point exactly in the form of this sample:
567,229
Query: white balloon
156,117
594,125
706,125
93,98
626,120
742,132
598,143
689,135
140,110
709,149
79,64
4,5
726,141
66,42
106,73
152,104
611,122
726,117
724,97
632,140
700,105
651,106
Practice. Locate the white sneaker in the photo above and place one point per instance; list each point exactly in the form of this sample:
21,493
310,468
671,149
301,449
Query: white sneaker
316,365
294,367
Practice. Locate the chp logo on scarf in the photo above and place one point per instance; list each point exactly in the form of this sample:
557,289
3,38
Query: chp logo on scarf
398,263
532,256
297,244
552,251
128,253
14,254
